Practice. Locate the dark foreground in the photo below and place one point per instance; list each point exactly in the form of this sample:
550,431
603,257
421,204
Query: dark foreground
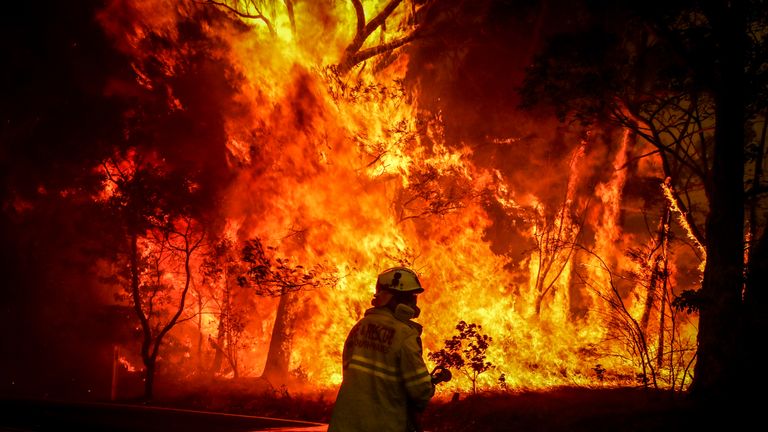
557,410
585,410
38,416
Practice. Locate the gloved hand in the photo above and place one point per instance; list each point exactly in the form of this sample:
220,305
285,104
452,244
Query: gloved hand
440,374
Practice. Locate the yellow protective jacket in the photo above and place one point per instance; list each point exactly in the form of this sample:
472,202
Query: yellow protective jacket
384,375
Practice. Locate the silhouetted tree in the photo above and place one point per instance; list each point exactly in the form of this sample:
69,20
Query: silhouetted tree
465,352
151,204
686,77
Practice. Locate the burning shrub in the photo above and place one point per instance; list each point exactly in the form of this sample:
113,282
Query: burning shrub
465,352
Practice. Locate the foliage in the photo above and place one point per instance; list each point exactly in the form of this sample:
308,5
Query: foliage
688,301
272,275
465,351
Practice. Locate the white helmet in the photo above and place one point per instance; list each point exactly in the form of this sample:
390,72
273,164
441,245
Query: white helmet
399,279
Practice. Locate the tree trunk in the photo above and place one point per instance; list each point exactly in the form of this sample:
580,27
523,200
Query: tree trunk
146,341
200,338
755,307
219,356
223,329
656,266
755,298
662,316
537,305
231,348
149,378
718,370
278,357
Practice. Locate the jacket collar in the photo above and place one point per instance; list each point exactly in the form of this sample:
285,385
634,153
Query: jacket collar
383,310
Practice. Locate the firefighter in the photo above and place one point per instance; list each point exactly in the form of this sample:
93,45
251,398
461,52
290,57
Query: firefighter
385,380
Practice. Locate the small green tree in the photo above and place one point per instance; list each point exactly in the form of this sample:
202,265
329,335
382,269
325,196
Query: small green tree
465,352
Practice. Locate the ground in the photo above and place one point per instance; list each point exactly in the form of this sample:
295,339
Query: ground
558,409
554,410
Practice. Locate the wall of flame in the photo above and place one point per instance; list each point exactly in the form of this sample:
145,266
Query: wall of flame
328,169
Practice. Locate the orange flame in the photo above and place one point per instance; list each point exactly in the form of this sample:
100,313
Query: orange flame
346,171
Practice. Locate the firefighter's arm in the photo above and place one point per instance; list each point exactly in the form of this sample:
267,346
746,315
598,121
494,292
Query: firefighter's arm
418,382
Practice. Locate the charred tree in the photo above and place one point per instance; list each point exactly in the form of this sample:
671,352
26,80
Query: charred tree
755,291
756,304
224,344
183,238
663,270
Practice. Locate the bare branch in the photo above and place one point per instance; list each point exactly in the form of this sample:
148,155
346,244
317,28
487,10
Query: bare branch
379,19
237,12
353,54
365,54
357,42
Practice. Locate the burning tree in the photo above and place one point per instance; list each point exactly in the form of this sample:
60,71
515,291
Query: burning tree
671,355
220,269
555,236
271,275
162,238
161,195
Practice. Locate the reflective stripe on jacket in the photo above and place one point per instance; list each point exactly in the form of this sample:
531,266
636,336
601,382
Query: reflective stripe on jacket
383,374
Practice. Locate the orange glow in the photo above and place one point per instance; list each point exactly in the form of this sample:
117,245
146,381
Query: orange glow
347,172
126,364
